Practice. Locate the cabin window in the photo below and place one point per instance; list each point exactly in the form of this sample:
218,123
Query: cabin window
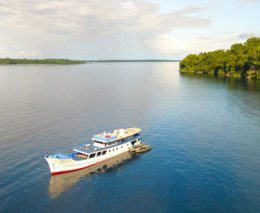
81,156
116,148
104,152
111,143
92,155
122,147
99,142
98,154
113,150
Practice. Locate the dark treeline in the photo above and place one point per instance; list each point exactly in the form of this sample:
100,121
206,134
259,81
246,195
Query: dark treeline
242,60
39,61
133,60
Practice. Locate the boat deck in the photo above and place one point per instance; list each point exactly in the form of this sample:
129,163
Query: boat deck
87,148
117,134
90,148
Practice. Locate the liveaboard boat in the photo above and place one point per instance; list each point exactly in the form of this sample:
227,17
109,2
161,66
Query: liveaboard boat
103,146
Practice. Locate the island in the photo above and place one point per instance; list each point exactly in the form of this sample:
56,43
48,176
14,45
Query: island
68,61
40,61
132,60
242,60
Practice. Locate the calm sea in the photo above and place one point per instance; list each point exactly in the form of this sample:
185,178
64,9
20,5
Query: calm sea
204,133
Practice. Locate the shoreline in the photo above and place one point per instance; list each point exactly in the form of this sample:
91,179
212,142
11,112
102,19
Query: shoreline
12,61
250,75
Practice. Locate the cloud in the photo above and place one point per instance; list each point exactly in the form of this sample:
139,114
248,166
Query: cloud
3,53
246,35
250,1
59,24
30,54
169,44
93,17
20,54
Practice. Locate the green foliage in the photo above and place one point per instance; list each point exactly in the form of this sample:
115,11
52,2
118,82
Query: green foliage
241,60
39,61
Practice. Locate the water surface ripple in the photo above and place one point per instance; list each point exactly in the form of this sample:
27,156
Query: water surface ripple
205,135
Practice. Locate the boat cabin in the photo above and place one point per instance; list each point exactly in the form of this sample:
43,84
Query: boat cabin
107,139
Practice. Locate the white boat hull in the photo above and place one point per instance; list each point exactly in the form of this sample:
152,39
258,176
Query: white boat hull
60,166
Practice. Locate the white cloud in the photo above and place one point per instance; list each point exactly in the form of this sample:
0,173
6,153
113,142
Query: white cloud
20,54
43,24
30,54
247,35
92,17
169,44
3,53
250,1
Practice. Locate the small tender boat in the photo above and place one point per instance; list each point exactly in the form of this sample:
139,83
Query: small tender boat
104,146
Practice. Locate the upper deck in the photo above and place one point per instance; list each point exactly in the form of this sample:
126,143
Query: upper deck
102,142
106,137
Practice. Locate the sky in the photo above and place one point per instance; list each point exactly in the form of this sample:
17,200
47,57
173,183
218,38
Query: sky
123,29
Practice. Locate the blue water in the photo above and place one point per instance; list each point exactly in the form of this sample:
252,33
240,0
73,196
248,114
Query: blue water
204,133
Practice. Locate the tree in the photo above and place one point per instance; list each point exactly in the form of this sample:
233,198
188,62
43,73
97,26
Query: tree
241,60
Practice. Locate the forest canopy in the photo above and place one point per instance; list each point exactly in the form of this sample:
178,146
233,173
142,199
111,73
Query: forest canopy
39,61
242,60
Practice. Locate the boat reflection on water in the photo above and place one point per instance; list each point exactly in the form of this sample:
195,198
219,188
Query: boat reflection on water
61,183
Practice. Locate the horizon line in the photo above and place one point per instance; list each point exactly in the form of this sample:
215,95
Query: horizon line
93,60
111,60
